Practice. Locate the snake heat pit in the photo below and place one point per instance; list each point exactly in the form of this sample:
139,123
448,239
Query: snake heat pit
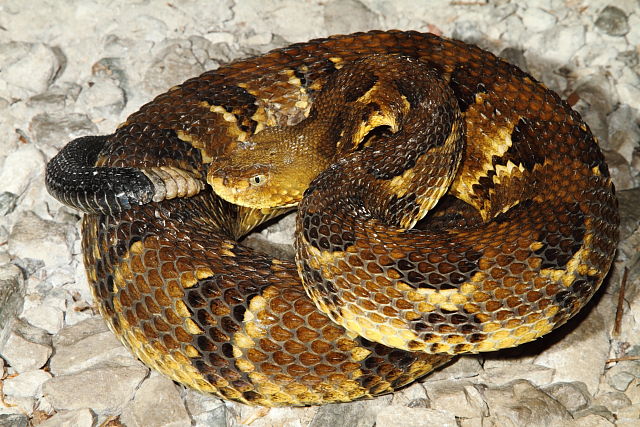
448,204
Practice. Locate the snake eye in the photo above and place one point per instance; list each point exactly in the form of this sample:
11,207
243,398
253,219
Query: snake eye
258,180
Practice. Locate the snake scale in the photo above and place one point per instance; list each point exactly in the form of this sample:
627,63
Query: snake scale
452,204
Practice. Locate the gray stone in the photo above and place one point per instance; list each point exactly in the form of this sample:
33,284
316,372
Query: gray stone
613,400
205,410
105,389
467,366
14,420
566,41
573,396
157,403
56,129
12,290
413,396
26,384
257,416
581,355
537,19
394,416
28,68
34,237
24,354
8,201
46,317
624,133
174,63
521,404
595,104
613,21
56,98
458,398
502,372
629,416
101,97
597,410
592,420
85,345
628,202
77,418
356,414
21,168
620,380
620,170
344,17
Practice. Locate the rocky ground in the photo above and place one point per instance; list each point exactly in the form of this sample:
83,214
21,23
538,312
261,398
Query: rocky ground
79,67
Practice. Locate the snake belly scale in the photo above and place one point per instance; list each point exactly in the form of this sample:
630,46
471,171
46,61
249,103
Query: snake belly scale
516,226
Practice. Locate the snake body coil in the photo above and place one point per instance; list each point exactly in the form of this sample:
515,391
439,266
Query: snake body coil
516,217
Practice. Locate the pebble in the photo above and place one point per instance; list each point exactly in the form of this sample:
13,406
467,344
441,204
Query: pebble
537,19
85,345
458,398
28,68
613,400
613,21
574,396
25,384
12,290
344,17
24,355
395,416
101,97
76,418
356,414
581,354
51,319
8,202
56,129
157,403
520,403
105,389
205,410
567,40
14,420
34,237
21,168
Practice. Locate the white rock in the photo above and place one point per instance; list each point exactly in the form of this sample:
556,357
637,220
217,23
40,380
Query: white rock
104,389
205,410
581,355
344,17
157,403
394,416
86,345
24,355
21,167
34,237
45,317
506,371
12,290
101,97
26,384
27,68
77,418
560,43
459,398
536,19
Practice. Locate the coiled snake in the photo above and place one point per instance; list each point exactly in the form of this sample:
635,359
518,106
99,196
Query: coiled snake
464,208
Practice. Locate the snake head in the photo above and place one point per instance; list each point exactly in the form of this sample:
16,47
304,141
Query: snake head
258,178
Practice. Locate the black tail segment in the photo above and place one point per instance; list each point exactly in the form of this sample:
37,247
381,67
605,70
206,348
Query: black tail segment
73,179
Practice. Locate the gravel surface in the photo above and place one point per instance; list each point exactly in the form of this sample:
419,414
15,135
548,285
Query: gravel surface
79,67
